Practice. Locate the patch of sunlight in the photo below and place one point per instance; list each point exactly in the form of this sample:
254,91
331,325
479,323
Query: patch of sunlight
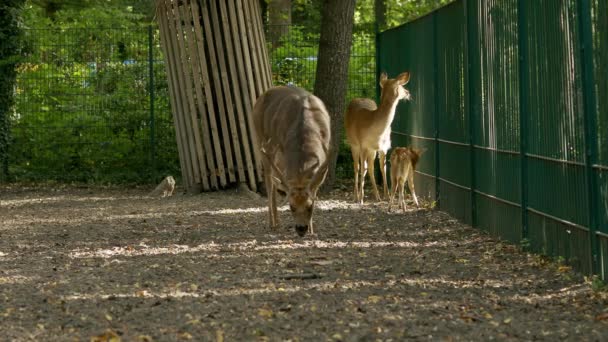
252,245
568,292
229,292
55,199
104,216
16,279
270,288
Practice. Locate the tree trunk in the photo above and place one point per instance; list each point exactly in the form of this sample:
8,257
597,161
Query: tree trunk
380,12
279,19
9,54
331,80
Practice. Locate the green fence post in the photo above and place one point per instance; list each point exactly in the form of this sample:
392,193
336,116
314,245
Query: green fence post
436,110
590,124
470,103
524,79
151,90
377,55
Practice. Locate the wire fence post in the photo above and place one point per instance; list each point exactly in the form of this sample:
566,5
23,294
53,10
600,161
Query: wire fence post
522,24
152,100
436,111
590,124
470,103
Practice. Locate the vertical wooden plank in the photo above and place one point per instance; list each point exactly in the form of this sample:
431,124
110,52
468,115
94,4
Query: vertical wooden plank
241,100
255,50
249,84
265,61
258,46
185,80
168,50
162,17
191,120
217,80
226,81
205,72
197,75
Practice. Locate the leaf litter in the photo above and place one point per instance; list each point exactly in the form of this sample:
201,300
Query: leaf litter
111,264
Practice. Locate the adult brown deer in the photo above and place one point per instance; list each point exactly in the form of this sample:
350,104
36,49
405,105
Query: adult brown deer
368,130
403,167
293,132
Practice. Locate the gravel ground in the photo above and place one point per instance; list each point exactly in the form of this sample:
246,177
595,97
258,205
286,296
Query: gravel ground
110,264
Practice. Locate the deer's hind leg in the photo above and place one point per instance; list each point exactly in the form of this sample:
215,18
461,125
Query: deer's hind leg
382,159
371,158
410,182
356,166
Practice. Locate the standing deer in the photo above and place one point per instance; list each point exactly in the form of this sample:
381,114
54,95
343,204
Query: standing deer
293,132
368,130
403,167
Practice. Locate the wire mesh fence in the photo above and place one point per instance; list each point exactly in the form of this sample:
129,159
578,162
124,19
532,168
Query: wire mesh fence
92,106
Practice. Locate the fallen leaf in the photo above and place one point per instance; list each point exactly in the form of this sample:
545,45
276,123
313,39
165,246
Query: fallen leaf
108,336
266,313
374,299
602,317
321,262
185,336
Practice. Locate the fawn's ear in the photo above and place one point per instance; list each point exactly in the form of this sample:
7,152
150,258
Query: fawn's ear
403,78
383,78
420,151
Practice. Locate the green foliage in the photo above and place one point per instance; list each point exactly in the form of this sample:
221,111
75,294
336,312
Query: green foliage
401,11
83,112
83,105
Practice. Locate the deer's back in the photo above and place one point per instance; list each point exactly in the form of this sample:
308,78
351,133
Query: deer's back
360,125
285,109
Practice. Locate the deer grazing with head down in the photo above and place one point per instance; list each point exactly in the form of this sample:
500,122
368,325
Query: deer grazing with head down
368,130
403,167
293,132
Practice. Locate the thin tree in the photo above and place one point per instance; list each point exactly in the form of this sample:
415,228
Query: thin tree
279,19
332,70
380,13
10,36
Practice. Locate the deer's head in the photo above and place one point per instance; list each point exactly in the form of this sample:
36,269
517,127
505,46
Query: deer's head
392,88
301,190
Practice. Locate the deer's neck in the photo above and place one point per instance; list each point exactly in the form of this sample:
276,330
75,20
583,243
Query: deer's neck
386,112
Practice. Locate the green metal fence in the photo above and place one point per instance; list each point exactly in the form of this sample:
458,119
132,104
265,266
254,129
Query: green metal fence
92,106
510,99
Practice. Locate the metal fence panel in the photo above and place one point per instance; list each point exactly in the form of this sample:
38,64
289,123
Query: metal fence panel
453,123
557,199
600,48
494,103
414,122
521,119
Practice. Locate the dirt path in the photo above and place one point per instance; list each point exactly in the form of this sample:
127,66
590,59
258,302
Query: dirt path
78,263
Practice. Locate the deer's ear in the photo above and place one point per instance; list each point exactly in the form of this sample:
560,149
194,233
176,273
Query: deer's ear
383,78
403,78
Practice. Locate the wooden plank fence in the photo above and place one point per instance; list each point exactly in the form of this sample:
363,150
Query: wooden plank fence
217,65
